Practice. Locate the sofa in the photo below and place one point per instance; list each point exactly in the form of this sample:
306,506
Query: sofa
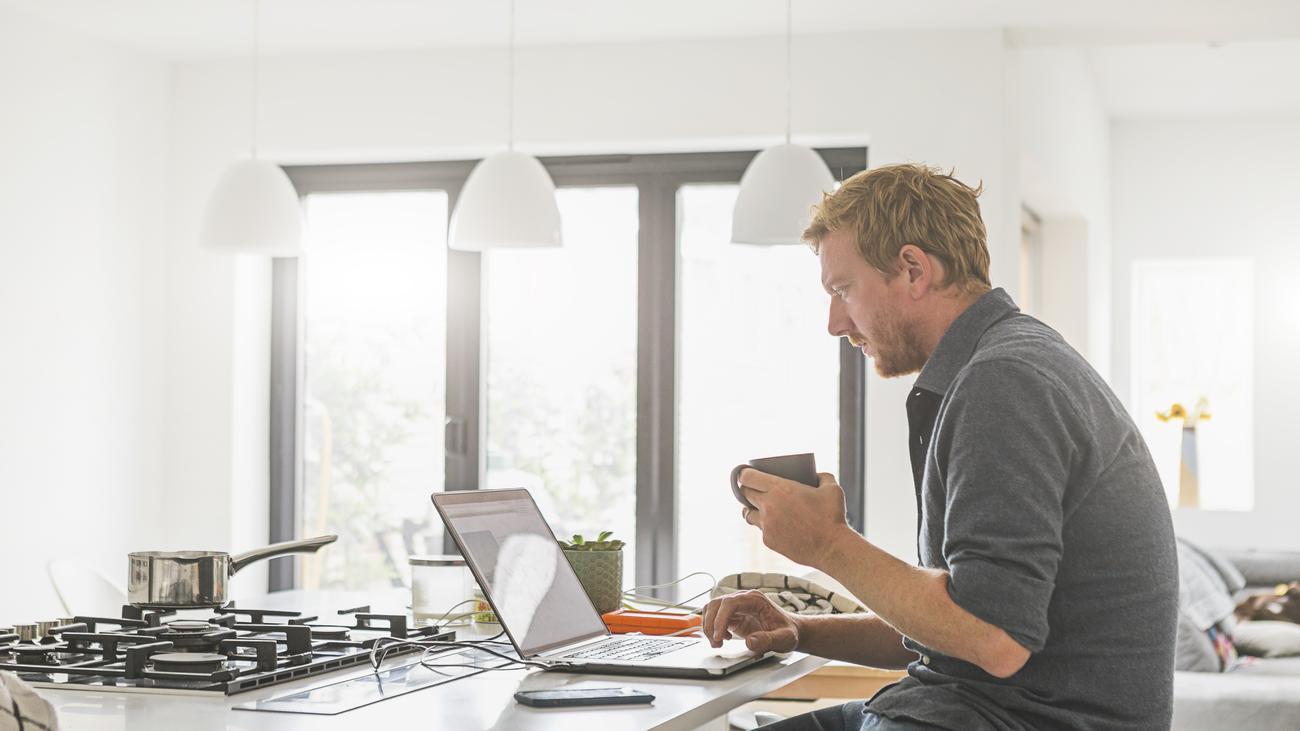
1259,694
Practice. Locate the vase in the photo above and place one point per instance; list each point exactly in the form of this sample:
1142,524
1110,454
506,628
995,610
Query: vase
601,574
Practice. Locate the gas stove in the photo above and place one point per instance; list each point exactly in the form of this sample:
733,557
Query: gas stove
209,652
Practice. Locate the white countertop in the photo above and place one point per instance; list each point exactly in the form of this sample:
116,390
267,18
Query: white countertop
483,701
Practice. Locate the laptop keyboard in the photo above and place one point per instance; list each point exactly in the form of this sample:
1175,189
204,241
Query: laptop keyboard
632,648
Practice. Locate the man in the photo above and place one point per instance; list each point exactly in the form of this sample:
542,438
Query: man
1046,591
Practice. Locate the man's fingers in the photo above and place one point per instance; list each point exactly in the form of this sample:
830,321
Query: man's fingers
732,608
710,611
721,618
760,481
750,515
759,641
826,479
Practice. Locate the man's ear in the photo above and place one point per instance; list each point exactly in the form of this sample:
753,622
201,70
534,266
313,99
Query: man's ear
917,267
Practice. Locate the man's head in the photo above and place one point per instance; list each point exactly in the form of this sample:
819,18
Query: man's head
902,253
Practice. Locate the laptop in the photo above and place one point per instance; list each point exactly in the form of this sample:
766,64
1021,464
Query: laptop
542,606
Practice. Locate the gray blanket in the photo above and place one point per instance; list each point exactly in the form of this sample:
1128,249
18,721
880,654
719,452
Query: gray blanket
1206,583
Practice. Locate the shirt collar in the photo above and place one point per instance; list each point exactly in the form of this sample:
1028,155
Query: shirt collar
957,345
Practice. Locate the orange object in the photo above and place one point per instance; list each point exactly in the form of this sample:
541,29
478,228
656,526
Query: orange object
624,621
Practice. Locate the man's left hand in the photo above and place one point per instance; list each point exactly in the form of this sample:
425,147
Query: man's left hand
798,521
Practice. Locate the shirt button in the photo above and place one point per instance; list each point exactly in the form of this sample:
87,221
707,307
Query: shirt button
925,659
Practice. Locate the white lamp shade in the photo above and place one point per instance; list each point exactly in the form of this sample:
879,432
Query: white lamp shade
254,210
508,202
777,193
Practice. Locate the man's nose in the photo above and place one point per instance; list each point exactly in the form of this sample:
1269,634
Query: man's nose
838,323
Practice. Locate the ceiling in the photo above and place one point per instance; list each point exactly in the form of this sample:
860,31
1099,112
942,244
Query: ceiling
1247,79
179,29
1151,57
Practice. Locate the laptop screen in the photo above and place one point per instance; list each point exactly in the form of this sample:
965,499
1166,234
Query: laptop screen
520,567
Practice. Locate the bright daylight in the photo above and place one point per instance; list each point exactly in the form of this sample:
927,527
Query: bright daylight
535,365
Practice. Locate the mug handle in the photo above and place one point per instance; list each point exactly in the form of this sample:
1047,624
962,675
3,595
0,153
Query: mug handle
735,486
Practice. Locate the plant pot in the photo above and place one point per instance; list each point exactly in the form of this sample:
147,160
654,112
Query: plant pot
601,574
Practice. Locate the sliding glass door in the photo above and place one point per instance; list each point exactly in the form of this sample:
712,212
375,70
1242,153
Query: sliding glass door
561,367
618,378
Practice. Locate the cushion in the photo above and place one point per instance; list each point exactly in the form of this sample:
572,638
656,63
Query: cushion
1266,568
1246,699
1281,667
1268,639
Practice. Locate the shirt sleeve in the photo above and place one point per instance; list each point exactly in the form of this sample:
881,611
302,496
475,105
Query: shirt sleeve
1004,450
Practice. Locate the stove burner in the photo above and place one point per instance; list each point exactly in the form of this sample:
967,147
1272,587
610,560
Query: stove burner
188,662
188,626
329,632
192,635
219,653
34,654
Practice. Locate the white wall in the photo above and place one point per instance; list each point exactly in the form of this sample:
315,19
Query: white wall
1224,188
1064,162
83,141
937,97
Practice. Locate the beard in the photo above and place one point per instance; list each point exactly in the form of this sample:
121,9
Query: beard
898,348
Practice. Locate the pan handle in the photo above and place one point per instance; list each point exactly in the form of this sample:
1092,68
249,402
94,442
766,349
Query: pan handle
306,545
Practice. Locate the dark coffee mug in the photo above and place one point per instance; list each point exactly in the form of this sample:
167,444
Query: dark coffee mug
797,467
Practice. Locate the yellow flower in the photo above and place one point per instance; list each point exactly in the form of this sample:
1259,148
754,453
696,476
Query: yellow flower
1175,412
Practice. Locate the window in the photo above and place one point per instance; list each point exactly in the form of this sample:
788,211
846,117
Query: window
1031,262
1193,338
759,375
615,377
561,368
374,311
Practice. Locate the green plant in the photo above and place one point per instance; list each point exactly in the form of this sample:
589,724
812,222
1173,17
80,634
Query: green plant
602,543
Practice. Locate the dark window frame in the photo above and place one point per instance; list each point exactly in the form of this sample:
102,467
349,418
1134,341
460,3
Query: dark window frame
657,178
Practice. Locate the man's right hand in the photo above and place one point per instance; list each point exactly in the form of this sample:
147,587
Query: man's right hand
753,617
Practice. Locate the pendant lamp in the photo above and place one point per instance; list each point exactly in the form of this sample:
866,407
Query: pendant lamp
781,184
508,201
254,208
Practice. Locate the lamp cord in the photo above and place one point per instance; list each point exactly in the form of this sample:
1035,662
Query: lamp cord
257,54
789,65
510,84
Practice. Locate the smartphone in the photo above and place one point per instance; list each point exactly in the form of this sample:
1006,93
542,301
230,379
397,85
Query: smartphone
581,697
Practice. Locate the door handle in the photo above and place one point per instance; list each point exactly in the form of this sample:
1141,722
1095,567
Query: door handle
454,436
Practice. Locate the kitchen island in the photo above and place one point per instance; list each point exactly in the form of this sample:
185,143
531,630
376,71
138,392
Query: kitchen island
482,701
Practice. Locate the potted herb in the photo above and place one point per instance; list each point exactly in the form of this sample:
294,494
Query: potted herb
599,566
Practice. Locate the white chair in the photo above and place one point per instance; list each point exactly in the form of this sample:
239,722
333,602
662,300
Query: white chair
83,590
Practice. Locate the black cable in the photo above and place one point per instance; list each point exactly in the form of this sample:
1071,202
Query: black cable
380,651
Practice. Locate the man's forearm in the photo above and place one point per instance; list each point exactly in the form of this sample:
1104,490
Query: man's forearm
915,602
861,639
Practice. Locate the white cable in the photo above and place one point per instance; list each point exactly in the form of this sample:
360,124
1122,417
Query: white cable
674,582
383,645
664,606
452,608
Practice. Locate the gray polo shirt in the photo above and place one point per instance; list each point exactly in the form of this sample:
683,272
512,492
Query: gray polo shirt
1036,493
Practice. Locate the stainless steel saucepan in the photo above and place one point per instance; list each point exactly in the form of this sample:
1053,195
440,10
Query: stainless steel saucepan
197,579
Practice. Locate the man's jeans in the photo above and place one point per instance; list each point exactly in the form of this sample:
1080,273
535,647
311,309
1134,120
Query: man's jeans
848,717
